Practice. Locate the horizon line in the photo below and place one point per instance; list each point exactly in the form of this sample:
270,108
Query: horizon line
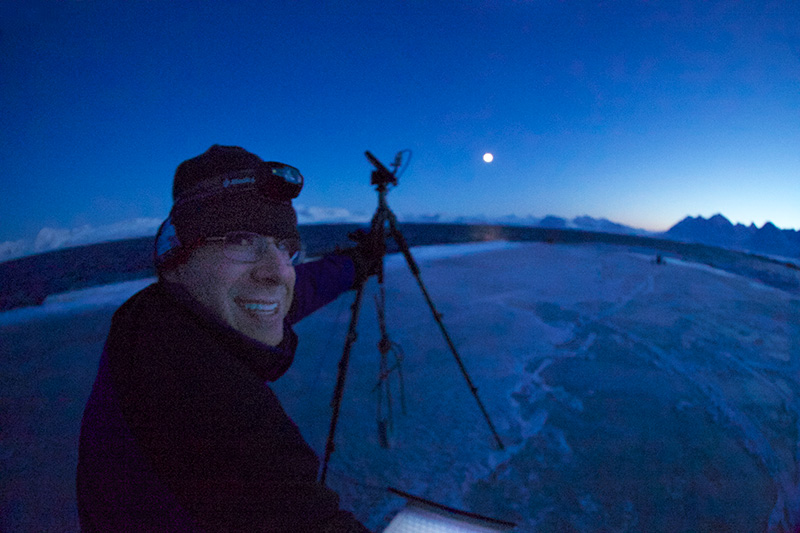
49,238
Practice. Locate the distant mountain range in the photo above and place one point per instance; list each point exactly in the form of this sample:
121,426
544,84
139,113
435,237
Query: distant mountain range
550,221
49,239
719,231
715,231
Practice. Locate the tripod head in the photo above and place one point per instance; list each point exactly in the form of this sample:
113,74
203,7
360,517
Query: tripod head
381,176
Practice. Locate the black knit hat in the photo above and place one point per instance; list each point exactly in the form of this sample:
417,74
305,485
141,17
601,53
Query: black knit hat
216,192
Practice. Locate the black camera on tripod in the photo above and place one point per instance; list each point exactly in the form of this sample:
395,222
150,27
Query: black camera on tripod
381,176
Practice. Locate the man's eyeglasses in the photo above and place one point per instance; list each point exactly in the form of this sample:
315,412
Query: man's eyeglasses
247,247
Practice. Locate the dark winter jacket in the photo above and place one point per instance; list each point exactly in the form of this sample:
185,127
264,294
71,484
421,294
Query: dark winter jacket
181,432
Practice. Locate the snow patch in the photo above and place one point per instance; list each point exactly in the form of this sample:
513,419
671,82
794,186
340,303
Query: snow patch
446,251
112,295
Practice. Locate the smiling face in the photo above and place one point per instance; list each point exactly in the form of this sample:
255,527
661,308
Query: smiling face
252,298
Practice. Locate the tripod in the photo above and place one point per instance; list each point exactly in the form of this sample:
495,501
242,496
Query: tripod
383,218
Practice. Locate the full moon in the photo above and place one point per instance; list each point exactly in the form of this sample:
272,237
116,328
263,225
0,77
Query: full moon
488,157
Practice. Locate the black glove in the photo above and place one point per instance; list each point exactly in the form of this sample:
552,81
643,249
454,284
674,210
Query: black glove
367,254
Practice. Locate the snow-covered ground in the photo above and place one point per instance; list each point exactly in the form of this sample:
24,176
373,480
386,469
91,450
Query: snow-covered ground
630,396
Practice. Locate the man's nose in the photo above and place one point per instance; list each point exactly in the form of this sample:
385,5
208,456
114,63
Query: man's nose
271,265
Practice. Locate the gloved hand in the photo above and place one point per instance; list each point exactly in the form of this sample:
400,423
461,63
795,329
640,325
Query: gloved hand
367,254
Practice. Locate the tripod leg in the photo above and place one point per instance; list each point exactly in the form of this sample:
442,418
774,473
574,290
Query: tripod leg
336,402
385,423
376,226
412,265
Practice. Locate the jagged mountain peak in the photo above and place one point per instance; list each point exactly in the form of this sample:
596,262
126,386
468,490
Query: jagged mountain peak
769,226
719,231
719,220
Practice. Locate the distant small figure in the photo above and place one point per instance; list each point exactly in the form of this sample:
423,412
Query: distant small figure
659,259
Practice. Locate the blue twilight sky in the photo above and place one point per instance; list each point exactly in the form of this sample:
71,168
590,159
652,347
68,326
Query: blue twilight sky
640,112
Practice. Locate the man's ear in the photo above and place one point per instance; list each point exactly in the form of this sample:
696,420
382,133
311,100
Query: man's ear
171,267
169,251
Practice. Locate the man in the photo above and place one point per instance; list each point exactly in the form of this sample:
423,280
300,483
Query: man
180,432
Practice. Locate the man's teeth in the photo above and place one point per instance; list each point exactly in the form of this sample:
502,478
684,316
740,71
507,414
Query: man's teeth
261,307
